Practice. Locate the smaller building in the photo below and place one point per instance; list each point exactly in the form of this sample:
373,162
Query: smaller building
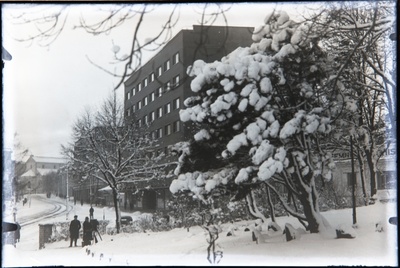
386,173
36,168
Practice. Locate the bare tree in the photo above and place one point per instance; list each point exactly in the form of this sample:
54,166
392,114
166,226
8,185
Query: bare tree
19,167
49,21
358,42
113,151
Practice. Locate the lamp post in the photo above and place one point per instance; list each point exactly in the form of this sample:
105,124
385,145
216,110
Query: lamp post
30,190
353,184
67,196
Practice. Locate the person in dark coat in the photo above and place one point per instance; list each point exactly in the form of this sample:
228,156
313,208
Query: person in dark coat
87,232
74,228
91,210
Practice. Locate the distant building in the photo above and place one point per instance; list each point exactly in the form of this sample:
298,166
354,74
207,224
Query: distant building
36,167
386,173
156,92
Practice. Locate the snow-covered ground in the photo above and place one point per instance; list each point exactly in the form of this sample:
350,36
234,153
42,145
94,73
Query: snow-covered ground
182,247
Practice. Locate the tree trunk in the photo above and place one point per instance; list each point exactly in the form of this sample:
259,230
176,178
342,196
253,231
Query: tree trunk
117,209
271,205
363,186
309,200
371,166
309,212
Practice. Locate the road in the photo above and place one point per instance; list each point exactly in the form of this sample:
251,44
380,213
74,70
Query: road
50,208
39,209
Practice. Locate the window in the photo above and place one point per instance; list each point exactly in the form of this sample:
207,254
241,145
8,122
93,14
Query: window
177,103
177,126
139,123
152,96
160,91
167,65
154,134
350,179
139,105
386,179
159,71
139,87
145,119
128,112
159,133
175,59
145,82
167,86
161,200
168,130
152,77
175,81
128,95
133,91
133,108
152,116
159,112
145,101
167,108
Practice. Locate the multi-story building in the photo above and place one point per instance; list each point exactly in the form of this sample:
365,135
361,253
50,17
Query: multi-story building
155,93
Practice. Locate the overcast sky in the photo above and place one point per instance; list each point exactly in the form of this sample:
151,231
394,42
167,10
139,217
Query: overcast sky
46,88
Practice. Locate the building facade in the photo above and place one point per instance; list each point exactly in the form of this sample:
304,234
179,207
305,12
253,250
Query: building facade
36,167
386,173
155,94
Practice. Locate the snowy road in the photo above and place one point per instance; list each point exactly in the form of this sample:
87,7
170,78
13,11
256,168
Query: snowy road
48,208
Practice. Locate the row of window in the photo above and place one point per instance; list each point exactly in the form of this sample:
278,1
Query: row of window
385,179
165,109
160,91
166,130
160,70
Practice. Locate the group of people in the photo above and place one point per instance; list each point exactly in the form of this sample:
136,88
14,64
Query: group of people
88,229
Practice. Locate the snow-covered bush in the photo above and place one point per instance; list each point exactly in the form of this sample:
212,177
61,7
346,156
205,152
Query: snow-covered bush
60,230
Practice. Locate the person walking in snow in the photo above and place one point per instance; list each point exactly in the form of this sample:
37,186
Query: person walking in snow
87,232
91,210
74,228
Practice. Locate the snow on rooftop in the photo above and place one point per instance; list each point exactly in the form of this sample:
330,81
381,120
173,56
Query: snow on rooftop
49,159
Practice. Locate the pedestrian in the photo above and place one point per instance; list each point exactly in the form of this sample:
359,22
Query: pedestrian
74,228
17,234
91,210
87,232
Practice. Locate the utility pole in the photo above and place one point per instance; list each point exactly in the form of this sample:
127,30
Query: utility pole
67,195
353,183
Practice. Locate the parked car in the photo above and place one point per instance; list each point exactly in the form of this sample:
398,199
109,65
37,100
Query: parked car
125,220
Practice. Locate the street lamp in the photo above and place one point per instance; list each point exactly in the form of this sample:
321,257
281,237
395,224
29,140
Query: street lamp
30,190
353,184
67,196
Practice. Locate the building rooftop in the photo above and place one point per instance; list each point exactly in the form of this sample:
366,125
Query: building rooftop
47,159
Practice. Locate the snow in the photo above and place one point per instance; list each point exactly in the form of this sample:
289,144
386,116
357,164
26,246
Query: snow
182,247
237,141
202,135
242,176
